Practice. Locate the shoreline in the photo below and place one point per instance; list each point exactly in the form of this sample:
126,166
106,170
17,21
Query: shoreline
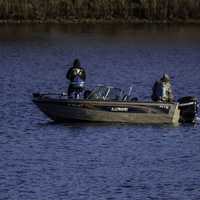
100,21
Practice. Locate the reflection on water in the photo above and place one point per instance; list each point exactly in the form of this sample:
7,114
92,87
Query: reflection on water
44,160
142,32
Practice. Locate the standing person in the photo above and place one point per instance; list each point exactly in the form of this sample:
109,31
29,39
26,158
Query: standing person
77,76
162,90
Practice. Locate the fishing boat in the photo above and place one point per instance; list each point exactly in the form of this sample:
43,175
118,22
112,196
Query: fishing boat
110,104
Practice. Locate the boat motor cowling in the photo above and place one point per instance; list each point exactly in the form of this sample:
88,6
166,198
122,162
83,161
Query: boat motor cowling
188,109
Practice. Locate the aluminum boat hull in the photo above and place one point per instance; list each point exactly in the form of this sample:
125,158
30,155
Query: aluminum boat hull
65,110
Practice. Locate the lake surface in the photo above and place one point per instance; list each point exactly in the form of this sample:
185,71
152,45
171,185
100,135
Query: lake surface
47,161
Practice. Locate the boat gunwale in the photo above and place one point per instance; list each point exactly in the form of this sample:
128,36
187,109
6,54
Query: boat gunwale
102,102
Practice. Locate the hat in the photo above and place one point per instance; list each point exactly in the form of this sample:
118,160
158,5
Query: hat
165,78
76,63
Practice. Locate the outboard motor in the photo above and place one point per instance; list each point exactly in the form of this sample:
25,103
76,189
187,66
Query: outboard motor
188,109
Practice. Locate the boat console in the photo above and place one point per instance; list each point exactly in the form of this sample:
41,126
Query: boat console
109,93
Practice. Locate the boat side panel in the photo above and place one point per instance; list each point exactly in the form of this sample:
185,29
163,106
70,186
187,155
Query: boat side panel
82,112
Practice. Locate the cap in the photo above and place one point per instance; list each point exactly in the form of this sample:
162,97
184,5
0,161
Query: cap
76,63
165,77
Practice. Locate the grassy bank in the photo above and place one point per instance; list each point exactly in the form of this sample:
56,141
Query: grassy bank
99,11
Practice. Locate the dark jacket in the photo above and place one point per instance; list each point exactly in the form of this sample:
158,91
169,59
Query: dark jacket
162,91
73,72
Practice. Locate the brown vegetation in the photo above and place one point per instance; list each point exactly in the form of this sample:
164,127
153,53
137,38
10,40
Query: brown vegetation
99,9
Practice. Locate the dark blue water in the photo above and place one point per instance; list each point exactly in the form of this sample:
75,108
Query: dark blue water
47,161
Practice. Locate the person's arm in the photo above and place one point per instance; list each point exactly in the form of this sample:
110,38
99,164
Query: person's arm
171,96
170,93
68,75
84,75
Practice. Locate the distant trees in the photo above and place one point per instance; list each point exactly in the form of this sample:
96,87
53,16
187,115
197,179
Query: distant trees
99,9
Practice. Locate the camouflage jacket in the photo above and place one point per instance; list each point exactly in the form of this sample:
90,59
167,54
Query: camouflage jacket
162,91
73,72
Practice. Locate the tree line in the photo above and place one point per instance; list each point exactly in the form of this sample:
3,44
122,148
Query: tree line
99,9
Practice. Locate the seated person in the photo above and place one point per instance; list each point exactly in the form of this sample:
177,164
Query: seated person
162,90
77,76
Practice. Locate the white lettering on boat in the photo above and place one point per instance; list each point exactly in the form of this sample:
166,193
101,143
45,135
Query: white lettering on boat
118,109
164,107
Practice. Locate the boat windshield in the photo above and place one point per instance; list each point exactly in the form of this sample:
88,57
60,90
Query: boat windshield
106,93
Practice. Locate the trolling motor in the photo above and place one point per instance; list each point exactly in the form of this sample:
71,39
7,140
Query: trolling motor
188,109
